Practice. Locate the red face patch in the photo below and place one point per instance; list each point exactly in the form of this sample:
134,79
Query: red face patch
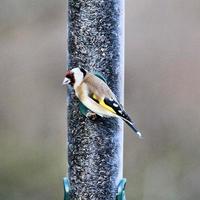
70,76
68,73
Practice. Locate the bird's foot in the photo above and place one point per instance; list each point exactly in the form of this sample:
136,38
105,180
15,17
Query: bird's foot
91,115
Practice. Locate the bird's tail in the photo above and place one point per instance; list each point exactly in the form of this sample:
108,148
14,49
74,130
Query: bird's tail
120,112
133,127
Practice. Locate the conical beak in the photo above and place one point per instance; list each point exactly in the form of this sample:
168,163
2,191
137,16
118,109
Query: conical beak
66,81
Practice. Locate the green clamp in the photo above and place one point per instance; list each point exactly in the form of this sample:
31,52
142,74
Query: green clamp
121,190
66,188
99,75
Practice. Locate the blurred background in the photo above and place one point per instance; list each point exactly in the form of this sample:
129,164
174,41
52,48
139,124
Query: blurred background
161,91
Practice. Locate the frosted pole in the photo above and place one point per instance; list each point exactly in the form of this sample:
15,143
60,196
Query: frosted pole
95,147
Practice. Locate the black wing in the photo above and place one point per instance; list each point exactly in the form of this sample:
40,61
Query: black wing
122,113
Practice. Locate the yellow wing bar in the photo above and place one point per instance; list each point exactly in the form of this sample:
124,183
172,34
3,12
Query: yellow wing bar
103,104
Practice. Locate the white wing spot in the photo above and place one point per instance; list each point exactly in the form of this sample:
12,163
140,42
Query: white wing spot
114,104
120,111
111,99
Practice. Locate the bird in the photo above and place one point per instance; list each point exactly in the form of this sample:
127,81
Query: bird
96,95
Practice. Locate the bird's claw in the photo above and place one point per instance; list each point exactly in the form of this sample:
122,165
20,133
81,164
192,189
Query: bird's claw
91,115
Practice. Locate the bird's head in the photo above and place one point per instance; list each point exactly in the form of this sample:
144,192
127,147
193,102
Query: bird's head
74,76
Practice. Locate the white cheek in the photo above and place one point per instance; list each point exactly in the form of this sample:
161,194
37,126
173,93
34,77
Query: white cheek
78,78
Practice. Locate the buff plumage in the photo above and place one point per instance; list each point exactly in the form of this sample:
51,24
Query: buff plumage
96,95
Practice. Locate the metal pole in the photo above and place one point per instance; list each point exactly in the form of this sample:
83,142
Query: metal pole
95,147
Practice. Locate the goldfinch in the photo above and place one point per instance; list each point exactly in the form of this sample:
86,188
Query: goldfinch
96,95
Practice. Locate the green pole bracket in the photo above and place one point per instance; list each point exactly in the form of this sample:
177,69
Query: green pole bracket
66,188
121,190
99,75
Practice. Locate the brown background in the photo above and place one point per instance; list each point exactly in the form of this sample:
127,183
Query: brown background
161,92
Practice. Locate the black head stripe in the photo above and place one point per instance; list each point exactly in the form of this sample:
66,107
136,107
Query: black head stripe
84,71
